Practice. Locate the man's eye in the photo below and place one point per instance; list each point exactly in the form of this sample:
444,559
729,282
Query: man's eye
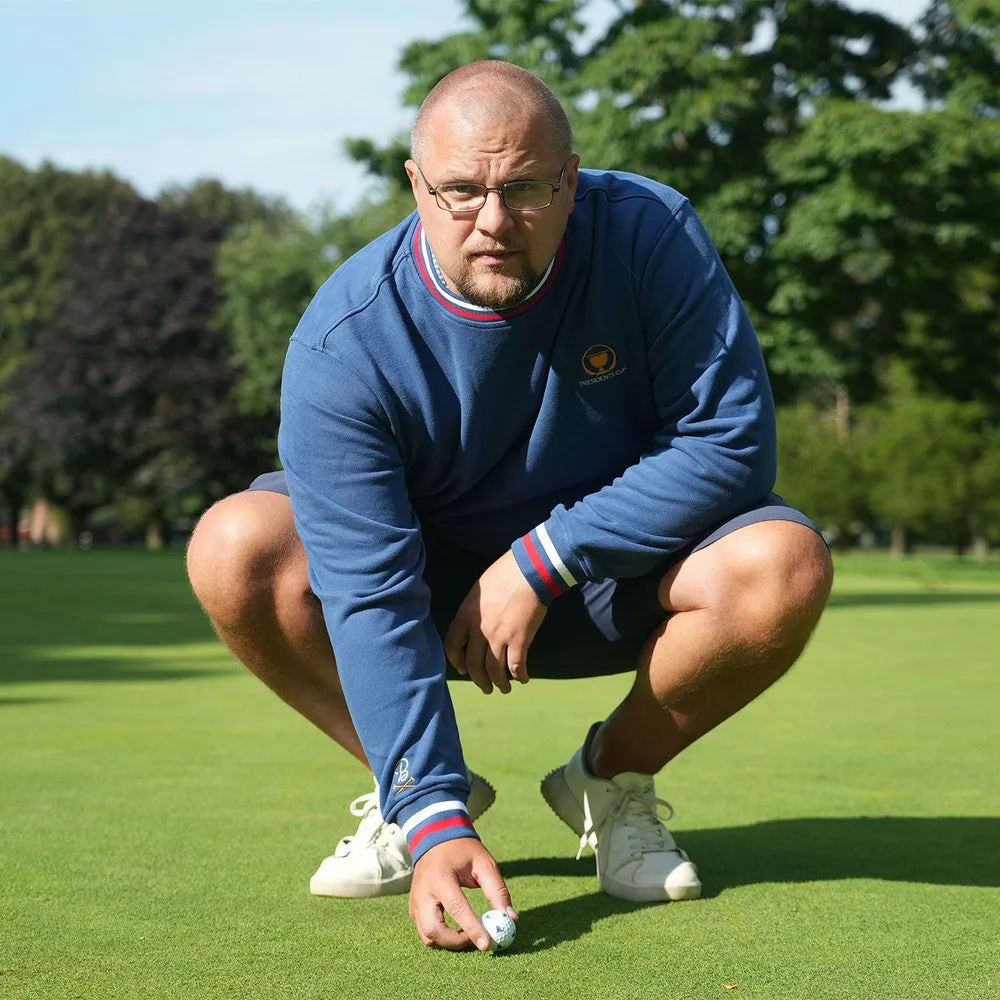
461,190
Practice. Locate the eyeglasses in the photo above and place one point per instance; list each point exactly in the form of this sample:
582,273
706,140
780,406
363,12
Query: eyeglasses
517,196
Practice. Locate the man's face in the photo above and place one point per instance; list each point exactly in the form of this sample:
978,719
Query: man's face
493,257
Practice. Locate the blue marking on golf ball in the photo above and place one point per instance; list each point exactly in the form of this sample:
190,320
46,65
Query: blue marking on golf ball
500,928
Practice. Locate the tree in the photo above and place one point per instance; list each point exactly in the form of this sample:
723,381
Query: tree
270,275
960,55
923,454
889,247
268,279
819,470
698,95
43,213
129,392
226,207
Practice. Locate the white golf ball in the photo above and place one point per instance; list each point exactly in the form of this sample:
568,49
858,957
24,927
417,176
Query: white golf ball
500,928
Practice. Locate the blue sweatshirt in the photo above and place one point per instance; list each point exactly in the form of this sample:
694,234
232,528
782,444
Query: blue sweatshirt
619,411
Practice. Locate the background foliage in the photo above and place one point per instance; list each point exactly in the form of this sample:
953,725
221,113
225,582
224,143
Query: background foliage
141,341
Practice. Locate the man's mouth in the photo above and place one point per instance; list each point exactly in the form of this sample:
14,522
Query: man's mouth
494,257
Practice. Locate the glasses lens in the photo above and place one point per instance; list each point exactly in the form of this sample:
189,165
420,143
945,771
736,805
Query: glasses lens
461,197
523,196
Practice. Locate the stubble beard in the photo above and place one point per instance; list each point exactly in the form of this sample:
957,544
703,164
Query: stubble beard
499,297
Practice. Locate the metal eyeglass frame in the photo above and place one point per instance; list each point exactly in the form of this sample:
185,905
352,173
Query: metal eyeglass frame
499,191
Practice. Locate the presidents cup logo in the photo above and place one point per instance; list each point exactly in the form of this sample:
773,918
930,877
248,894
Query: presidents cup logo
599,359
600,362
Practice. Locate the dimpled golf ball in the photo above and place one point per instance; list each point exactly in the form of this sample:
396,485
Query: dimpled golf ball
500,928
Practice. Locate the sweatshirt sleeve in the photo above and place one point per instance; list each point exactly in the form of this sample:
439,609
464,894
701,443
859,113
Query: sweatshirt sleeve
352,511
714,451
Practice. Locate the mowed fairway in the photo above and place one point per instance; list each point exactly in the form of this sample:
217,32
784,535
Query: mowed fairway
161,813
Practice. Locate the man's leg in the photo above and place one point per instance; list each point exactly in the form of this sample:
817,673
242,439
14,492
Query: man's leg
248,569
741,612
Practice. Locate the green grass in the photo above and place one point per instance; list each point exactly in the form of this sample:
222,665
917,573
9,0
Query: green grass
161,813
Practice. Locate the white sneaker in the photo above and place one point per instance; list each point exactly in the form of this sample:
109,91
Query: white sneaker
637,858
376,860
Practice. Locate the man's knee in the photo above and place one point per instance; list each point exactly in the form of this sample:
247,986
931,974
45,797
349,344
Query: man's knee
241,553
779,577
770,581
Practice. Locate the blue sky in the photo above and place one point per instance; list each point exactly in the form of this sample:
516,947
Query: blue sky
258,93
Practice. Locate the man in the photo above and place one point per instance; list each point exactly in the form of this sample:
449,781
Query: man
528,431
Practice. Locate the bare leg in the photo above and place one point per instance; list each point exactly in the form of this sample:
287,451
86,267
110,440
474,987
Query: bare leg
742,612
248,570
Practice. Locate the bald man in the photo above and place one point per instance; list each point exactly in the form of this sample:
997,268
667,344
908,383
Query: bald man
526,432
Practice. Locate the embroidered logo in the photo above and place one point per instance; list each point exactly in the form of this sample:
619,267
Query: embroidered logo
599,359
600,363
401,777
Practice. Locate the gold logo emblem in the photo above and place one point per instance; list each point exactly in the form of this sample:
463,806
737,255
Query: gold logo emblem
599,359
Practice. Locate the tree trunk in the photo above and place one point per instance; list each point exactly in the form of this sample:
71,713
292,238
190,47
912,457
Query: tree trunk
14,499
897,541
980,547
154,534
842,414
963,539
842,540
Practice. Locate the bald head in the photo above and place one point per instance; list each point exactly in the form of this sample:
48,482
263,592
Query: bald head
482,94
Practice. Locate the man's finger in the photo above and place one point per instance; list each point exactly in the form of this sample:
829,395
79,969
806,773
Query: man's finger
475,657
454,645
428,915
517,663
496,666
494,888
465,916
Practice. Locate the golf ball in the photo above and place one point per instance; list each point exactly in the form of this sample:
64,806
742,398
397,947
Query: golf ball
500,928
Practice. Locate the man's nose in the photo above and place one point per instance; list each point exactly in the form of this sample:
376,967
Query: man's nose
494,216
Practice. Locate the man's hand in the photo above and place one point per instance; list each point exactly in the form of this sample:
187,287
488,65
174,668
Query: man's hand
494,626
438,879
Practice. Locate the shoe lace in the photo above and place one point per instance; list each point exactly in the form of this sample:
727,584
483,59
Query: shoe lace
365,807
639,807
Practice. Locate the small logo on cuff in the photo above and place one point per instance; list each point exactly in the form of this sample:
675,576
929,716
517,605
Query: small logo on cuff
401,777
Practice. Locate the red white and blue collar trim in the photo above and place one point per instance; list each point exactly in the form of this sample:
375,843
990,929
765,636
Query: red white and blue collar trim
430,271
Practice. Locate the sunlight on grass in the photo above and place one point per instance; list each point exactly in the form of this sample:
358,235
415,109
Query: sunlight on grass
162,811
184,653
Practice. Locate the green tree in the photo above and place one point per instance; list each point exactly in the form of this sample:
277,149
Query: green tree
960,55
889,247
923,455
43,214
267,279
270,274
129,394
819,469
227,207
697,95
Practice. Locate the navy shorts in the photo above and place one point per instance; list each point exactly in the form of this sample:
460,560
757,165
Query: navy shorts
595,628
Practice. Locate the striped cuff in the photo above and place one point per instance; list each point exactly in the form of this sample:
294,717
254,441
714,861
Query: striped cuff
542,565
434,823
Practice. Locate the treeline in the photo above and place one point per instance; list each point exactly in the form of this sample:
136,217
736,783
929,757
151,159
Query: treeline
141,340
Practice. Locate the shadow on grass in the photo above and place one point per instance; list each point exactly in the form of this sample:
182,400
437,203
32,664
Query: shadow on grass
937,850
918,598
568,919
101,663
944,850
5,702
